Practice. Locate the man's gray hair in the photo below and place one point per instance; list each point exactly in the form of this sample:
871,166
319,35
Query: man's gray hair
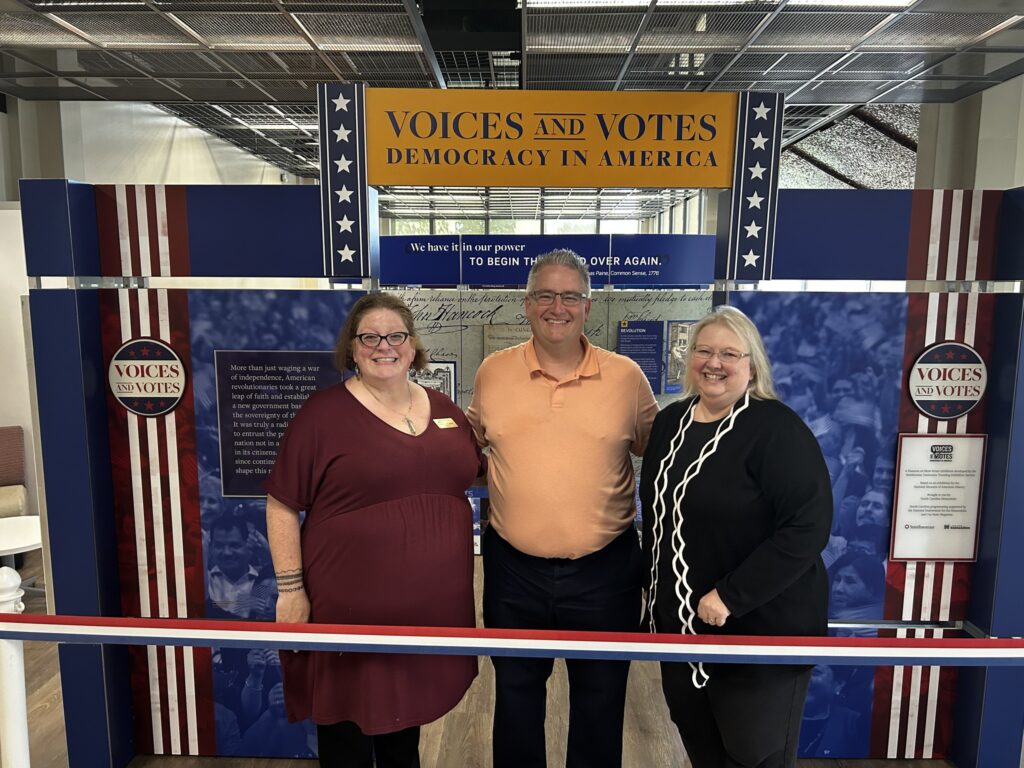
561,257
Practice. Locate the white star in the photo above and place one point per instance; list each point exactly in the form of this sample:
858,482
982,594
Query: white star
752,229
759,141
755,200
341,103
761,113
343,164
342,133
346,254
345,224
750,258
344,194
756,171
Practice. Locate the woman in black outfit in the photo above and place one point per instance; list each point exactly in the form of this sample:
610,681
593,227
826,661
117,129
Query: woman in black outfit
737,508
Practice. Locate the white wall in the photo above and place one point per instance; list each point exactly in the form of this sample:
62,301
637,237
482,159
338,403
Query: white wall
39,134
10,161
15,405
1000,137
975,143
103,142
132,143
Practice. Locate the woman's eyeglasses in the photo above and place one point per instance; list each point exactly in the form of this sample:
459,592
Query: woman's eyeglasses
727,356
373,340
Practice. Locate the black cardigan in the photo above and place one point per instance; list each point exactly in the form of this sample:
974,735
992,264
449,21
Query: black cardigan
755,515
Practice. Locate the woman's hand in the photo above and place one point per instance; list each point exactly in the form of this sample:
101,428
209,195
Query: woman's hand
711,610
293,607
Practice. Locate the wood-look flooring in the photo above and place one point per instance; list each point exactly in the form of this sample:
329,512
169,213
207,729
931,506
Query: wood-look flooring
461,739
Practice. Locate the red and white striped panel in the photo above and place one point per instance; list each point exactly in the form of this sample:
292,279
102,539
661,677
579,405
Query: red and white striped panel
953,239
154,468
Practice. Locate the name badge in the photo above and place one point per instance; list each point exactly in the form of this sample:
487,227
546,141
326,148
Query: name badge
446,423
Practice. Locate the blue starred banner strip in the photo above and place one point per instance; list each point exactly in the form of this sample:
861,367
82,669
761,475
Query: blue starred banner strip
345,197
755,186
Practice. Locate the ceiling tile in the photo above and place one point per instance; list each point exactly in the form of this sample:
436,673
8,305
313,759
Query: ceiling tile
138,29
361,31
916,31
592,31
810,31
264,31
30,30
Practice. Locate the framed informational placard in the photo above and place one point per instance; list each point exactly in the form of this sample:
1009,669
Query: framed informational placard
675,354
938,495
439,375
642,342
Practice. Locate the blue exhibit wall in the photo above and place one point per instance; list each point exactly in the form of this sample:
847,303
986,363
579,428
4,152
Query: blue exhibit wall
622,261
847,234
254,231
819,340
60,233
850,234
70,391
989,711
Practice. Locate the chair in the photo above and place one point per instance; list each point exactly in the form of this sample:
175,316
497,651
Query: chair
13,496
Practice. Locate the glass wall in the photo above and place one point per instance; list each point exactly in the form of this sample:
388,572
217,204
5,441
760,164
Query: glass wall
515,226
570,227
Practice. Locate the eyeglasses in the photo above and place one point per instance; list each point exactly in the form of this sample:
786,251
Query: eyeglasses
373,340
547,298
727,356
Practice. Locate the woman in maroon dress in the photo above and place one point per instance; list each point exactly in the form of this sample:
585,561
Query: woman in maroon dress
380,466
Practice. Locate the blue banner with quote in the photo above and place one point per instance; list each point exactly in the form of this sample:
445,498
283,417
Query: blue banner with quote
505,260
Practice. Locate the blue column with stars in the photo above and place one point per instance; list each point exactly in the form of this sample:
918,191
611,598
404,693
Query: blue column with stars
746,213
348,205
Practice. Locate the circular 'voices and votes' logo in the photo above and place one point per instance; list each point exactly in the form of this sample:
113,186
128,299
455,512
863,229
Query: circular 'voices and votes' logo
147,377
947,380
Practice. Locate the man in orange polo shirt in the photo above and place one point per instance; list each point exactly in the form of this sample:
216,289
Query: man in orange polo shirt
561,418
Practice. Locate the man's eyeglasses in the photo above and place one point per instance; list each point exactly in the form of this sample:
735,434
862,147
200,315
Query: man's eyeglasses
547,298
373,340
727,356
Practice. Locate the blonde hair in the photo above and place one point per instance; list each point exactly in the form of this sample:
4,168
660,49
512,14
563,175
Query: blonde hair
761,385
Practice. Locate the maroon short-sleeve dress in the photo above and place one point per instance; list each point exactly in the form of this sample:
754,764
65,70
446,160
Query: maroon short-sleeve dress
387,539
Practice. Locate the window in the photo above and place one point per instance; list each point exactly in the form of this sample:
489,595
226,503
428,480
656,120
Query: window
458,226
620,227
409,226
515,227
570,227
679,218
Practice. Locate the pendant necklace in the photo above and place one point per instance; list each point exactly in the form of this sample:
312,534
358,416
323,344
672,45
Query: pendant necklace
405,416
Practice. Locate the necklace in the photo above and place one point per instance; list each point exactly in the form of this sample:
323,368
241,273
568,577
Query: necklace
405,416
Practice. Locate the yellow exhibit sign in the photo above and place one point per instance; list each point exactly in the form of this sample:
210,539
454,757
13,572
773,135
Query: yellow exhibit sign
495,138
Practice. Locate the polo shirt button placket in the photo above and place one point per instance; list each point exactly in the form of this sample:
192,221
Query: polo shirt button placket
557,397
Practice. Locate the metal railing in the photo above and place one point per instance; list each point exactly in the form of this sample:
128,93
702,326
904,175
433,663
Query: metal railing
15,628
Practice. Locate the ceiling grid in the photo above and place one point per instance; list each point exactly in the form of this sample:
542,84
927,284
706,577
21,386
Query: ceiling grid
853,71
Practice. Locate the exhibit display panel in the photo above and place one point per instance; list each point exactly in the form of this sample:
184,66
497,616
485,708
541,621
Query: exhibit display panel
141,456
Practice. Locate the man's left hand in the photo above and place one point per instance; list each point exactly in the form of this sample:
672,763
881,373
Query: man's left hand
711,610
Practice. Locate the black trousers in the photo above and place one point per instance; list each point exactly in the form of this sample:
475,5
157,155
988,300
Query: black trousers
344,745
600,592
745,717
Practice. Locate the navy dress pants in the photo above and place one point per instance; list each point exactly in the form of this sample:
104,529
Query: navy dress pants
344,745
600,592
745,717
